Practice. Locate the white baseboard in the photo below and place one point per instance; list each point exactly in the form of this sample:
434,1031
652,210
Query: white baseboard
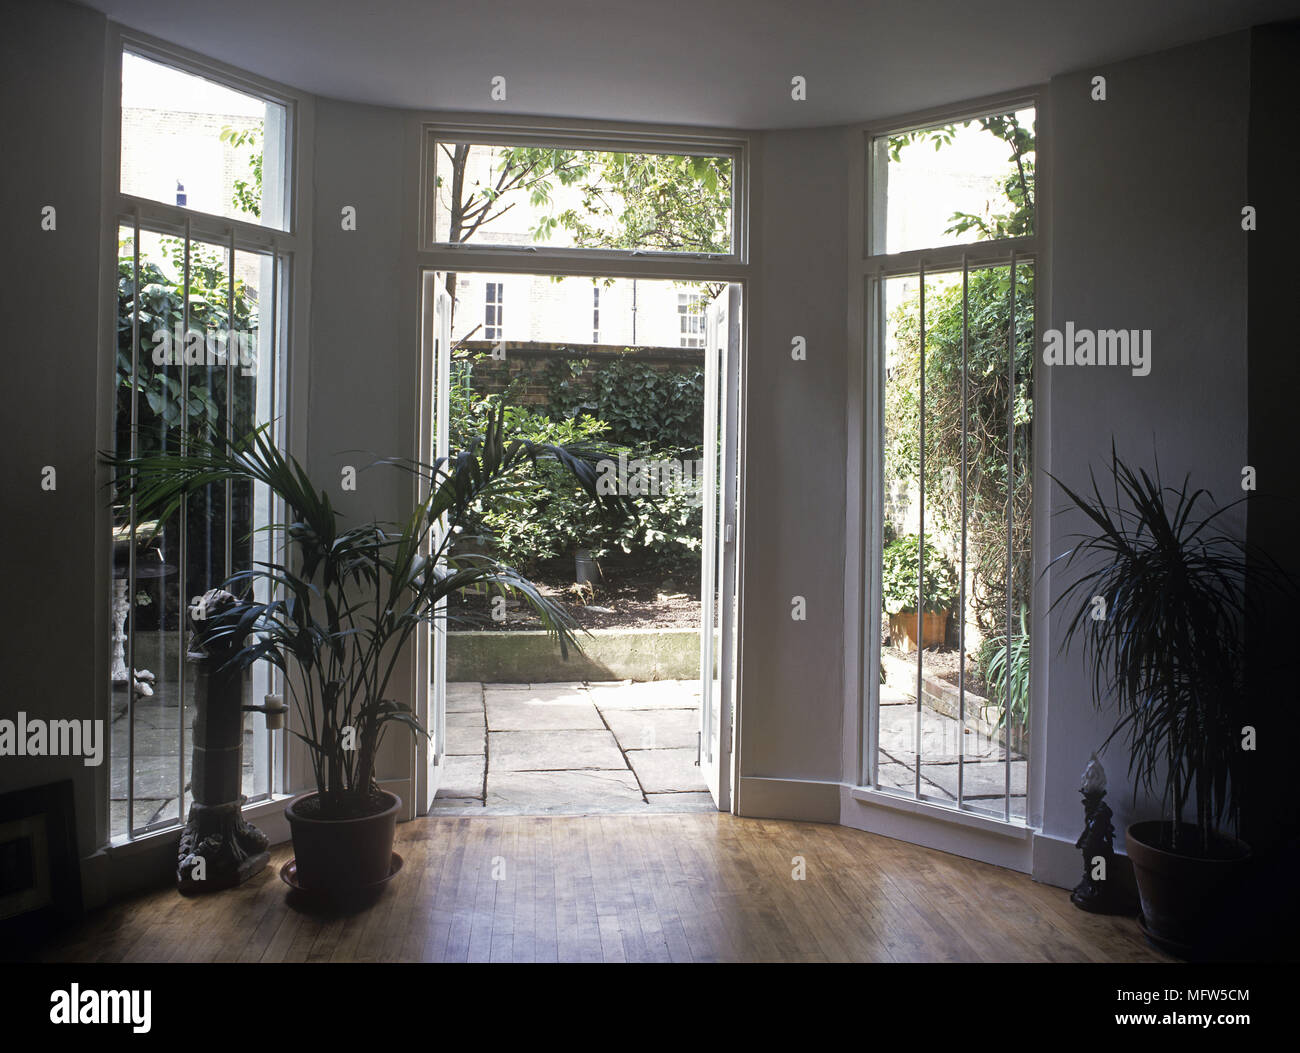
805,800
1009,847
1058,862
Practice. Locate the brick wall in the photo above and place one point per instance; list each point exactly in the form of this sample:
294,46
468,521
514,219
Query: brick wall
528,364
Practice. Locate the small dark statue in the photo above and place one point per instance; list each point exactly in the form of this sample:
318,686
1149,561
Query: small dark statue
1098,893
218,848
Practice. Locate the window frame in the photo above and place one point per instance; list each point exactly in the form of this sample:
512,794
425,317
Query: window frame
488,133
289,250
868,270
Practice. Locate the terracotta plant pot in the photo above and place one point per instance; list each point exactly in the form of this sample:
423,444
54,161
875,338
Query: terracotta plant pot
1185,899
902,629
342,855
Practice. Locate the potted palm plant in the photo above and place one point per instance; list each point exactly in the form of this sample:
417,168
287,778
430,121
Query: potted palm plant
335,606
1160,598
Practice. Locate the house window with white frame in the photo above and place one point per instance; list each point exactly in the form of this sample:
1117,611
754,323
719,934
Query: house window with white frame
949,278
690,312
493,305
200,322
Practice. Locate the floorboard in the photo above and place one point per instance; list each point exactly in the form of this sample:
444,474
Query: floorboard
660,888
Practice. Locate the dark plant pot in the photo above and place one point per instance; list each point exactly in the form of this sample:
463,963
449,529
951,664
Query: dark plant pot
342,855
585,568
1185,899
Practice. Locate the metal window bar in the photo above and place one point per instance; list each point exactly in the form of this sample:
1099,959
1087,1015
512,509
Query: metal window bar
920,544
133,447
1011,466
274,679
183,547
961,606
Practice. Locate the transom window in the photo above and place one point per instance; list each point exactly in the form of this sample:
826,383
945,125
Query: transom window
534,194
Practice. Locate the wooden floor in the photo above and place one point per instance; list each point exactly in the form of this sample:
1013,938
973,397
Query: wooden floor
687,887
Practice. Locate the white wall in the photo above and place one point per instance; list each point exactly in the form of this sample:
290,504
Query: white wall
791,672
1147,189
55,623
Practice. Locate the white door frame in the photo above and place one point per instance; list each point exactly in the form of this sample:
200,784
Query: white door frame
720,543
430,694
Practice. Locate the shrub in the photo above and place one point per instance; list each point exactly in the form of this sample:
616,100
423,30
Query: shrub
899,577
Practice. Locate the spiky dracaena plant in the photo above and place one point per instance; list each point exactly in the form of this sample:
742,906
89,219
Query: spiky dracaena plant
344,602
1160,600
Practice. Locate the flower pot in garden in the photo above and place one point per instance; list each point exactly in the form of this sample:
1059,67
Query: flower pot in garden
585,568
339,856
902,629
1185,898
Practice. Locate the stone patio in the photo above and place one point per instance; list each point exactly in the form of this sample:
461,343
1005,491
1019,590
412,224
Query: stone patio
572,749
945,743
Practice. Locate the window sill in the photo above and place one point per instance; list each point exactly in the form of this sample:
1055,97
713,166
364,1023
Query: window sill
868,795
125,846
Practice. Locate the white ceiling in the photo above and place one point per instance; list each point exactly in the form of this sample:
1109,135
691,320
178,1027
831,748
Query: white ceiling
707,62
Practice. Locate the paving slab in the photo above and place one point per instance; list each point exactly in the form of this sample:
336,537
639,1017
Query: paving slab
563,792
553,751
980,778
648,729
556,710
464,698
652,694
463,777
464,741
667,771
457,806
680,802
475,718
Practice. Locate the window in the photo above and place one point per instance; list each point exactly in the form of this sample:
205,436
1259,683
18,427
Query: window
561,195
595,314
690,310
494,297
950,278
190,141
200,322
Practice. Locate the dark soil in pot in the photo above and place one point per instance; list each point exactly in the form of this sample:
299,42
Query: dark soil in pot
339,855
1189,895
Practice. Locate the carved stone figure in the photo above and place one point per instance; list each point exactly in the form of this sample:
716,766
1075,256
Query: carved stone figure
218,848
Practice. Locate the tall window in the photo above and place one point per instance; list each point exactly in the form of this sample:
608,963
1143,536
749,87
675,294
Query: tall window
595,314
690,313
494,298
201,289
950,306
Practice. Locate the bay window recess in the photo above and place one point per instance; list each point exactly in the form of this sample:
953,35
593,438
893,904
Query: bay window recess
200,329
949,278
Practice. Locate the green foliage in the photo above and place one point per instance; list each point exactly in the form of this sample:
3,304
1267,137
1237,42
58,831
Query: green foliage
347,600
1017,187
1169,652
670,202
642,405
164,409
248,192
900,564
549,517
1001,668
986,414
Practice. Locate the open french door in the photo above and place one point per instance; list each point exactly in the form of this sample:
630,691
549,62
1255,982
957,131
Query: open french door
718,559
434,439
